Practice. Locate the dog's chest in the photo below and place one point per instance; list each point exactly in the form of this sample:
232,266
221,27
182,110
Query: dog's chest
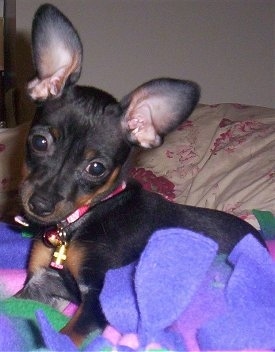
75,259
72,258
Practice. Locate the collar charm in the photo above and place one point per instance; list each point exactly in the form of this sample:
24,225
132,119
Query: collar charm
57,239
59,256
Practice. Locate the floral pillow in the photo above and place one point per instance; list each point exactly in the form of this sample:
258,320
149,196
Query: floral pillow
223,157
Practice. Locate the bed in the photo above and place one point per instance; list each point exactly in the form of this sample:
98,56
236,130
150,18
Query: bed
223,157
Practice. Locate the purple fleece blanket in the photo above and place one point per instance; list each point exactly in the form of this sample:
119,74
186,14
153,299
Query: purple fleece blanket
180,295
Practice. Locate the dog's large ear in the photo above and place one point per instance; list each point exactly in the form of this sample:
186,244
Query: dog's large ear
156,108
57,53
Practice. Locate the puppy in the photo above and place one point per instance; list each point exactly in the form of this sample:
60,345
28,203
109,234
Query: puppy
89,217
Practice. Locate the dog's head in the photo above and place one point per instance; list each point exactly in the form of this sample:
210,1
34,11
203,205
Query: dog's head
81,137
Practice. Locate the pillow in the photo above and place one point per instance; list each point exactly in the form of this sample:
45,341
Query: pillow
222,157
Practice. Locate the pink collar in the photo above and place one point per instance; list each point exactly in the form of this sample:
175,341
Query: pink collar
78,213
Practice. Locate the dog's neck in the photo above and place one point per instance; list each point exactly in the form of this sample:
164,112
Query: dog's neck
57,238
78,213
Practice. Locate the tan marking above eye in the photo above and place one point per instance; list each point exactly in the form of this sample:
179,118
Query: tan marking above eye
55,132
89,154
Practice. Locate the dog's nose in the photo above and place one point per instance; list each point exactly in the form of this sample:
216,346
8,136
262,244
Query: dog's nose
40,205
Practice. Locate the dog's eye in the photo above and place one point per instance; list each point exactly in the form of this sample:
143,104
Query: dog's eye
39,143
96,169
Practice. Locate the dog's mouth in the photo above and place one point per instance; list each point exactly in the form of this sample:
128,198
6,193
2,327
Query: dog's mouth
43,209
47,218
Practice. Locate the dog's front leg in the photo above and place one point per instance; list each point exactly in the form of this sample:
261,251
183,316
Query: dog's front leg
46,286
43,283
34,286
88,318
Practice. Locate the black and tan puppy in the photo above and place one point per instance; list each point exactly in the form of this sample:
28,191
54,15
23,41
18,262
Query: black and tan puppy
75,190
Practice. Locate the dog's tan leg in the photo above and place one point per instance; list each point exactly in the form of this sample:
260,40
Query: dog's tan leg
69,329
40,256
